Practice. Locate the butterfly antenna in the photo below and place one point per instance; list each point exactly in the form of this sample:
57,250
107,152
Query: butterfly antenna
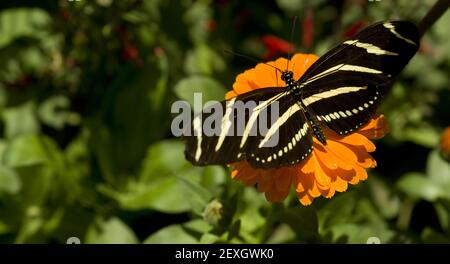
292,40
250,58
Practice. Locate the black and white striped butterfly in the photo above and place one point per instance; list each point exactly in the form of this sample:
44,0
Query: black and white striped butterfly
341,91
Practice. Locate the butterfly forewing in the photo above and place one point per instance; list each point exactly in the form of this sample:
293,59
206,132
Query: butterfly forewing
240,134
345,86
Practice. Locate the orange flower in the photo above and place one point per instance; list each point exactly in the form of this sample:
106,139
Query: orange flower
445,144
329,168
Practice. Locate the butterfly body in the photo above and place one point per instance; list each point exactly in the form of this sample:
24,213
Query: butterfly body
295,90
341,91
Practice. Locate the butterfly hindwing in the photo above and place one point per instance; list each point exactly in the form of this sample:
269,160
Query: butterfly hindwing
291,139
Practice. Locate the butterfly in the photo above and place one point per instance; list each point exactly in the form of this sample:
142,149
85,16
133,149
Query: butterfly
340,91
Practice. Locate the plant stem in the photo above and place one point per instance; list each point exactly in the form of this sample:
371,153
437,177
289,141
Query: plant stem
433,15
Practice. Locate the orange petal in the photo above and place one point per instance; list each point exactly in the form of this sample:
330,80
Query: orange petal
346,175
305,199
340,185
376,128
265,183
365,160
358,140
361,173
283,181
307,166
330,193
299,187
300,63
341,152
230,94
321,175
314,191
275,196
329,159
355,179
303,181
266,76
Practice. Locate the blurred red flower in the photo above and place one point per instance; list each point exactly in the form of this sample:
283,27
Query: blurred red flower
276,46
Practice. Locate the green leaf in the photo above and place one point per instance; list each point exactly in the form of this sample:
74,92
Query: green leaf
423,135
163,195
303,221
173,234
197,225
196,17
167,183
9,180
31,224
208,88
282,234
249,205
208,238
418,186
197,196
213,177
25,150
111,231
4,228
234,230
443,215
337,211
21,22
203,60
75,222
135,17
438,170
3,98
431,236
163,159
387,203
28,122
54,111
291,5
359,234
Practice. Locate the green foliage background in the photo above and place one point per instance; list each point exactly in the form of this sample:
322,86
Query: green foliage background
86,149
